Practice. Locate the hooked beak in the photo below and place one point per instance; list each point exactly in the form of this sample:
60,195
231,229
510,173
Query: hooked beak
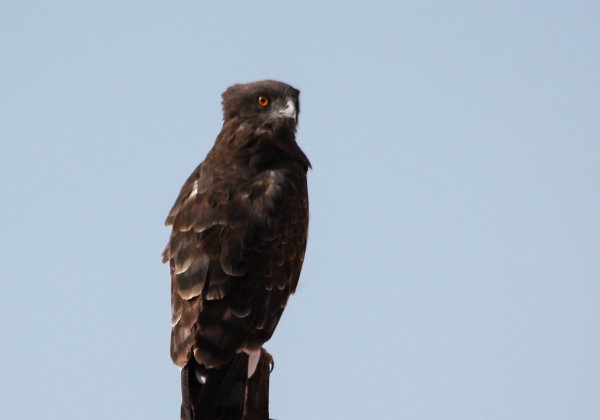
289,110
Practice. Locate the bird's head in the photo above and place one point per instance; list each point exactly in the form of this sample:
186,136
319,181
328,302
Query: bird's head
266,100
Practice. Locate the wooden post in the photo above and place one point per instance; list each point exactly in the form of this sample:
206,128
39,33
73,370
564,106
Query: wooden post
245,399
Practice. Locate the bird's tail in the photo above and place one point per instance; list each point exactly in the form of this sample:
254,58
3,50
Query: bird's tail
214,394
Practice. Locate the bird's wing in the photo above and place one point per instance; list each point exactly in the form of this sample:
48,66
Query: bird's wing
235,253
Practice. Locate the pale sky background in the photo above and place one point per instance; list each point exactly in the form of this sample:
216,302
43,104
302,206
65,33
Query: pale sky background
453,267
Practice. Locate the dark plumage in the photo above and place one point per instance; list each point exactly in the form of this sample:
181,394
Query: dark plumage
237,245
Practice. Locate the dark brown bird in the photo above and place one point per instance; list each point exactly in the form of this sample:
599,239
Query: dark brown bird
237,247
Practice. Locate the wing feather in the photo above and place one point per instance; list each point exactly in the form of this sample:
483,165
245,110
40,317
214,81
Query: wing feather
190,283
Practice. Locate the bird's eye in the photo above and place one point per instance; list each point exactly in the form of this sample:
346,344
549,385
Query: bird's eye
263,101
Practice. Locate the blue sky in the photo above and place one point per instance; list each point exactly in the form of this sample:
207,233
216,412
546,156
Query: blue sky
453,264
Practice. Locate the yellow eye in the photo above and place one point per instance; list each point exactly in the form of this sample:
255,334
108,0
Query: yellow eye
263,101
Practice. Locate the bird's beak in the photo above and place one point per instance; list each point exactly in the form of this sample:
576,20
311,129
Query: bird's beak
289,110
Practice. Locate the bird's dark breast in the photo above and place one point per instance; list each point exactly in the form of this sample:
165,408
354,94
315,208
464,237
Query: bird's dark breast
245,235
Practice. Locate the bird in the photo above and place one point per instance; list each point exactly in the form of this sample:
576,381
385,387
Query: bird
239,230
